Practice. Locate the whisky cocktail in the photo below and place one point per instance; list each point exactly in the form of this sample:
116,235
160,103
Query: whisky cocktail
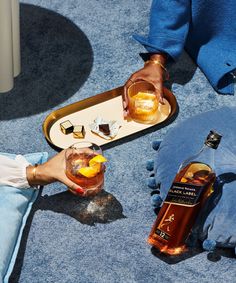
85,167
143,103
143,107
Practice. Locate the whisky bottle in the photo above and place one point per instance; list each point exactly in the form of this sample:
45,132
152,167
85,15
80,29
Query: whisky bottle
192,185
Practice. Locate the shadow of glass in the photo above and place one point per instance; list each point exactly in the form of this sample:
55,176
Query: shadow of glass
56,60
102,208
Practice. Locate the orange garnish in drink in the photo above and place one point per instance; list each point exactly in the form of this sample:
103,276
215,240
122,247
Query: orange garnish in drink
88,172
97,159
94,166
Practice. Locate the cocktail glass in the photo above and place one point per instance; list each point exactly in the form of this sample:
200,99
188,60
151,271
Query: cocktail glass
85,167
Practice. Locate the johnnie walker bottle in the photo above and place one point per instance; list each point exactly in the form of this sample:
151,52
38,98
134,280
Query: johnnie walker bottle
191,187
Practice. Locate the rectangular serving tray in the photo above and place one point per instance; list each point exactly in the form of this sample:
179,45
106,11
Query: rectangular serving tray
107,105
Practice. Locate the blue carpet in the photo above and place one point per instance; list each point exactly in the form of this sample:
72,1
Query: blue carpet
72,50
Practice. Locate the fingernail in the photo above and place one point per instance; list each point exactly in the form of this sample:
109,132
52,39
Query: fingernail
79,190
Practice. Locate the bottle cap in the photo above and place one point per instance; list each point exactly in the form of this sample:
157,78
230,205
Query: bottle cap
213,139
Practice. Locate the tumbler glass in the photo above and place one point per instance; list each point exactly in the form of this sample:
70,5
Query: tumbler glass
85,167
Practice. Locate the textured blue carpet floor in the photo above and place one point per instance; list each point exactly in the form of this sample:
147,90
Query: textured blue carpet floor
71,50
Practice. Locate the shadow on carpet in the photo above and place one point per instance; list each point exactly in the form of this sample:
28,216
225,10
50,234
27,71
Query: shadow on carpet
56,61
103,208
213,256
182,71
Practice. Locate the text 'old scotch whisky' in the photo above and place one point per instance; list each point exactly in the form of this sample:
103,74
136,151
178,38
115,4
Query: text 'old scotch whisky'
190,188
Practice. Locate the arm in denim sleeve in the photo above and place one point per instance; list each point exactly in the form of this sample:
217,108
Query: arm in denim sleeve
169,25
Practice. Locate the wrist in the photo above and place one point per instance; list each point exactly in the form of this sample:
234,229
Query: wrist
159,57
158,60
34,175
30,175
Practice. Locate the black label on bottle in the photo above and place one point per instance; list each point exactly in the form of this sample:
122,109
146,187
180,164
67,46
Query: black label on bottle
162,234
185,194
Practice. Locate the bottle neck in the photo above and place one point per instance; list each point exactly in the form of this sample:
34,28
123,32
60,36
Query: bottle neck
207,155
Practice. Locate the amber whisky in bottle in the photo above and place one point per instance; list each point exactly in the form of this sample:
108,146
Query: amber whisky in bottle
190,188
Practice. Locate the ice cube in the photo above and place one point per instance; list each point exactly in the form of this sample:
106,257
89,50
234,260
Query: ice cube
146,104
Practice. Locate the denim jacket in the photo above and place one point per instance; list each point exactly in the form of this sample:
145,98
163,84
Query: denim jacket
205,28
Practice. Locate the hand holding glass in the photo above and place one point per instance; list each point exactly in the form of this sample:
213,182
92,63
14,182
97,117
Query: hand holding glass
143,103
85,167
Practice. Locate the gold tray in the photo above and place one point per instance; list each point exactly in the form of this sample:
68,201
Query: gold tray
107,105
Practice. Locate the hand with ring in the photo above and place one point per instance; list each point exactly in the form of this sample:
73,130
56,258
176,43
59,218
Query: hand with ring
152,72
